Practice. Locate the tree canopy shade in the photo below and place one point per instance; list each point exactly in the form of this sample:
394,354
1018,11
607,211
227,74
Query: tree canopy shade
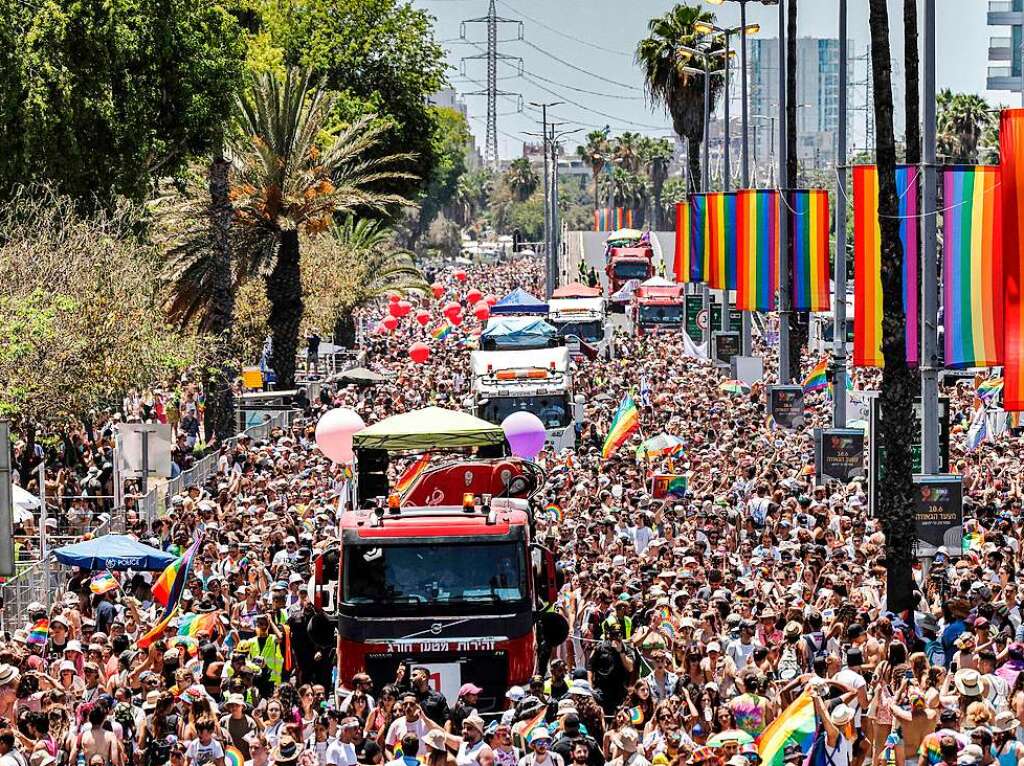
96,98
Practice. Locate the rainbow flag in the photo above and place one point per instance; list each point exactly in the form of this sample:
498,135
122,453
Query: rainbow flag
972,541
797,723
1011,164
162,586
669,485
611,219
809,224
195,624
441,332
233,756
720,240
972,258
698,238
817,378
757,252
102,582
39,634
867,263
183,567
409,476
681,265
554,512
989,389
625,423
636,715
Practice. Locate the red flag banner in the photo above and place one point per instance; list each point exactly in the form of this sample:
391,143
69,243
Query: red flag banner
1011,160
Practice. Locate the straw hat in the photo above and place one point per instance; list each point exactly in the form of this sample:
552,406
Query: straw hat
968,682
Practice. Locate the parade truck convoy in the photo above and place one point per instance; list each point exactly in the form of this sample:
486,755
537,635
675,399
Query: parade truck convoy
535,380
628,255
444,574
657,305
581,321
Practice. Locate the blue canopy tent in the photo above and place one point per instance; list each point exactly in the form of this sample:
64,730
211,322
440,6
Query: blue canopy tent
114,552
520,302
516,333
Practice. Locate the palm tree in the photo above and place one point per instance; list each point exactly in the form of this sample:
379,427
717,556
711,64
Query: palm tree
898,423
666,80
962,121
294,170
627,151
911,63
797,329
655,155
521,179
596,151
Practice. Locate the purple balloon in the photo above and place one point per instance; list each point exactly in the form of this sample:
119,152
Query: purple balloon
525,433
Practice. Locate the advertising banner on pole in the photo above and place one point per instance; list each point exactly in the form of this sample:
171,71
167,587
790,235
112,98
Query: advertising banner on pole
938,513
838,454
786,405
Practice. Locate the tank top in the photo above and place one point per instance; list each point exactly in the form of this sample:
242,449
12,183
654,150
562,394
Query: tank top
468,755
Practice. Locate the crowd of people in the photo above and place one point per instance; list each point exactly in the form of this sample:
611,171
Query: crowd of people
695,621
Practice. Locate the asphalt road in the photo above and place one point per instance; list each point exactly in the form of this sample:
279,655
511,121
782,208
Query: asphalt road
590,246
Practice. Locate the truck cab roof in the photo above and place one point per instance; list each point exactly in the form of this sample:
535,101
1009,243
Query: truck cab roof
439,521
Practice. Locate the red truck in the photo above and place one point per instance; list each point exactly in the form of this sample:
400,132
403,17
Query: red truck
657,307
625,263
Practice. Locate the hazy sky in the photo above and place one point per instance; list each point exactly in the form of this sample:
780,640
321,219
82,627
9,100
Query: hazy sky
581,51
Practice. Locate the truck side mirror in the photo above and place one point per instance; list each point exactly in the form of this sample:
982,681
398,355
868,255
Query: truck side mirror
545,578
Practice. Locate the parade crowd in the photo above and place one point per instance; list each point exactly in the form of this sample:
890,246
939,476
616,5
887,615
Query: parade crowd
695,621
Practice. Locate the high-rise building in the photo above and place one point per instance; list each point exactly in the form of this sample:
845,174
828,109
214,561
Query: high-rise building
1005,52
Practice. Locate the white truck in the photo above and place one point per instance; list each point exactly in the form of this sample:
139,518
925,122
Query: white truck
582,319
535,380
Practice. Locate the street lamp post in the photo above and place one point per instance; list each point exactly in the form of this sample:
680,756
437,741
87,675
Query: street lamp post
785,373
549,256
839,275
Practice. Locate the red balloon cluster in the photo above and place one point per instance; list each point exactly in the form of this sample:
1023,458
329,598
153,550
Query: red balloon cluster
423,317
455,319
474,296
437,289
390,323
394,297
419,352
490,300
451,308
482,311
459,274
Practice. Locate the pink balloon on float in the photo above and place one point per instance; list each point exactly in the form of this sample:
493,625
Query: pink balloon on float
419,352
404,307
334,432
459,274
490,300
394,310
451,308
455,319
482,311
390,323
474,296
525,434
437,289
423,317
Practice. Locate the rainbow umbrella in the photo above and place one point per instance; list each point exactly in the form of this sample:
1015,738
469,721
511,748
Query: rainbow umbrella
662,444
736,387
738,736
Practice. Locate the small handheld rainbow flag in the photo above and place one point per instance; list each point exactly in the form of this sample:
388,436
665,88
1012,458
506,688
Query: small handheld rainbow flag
441,332
554,512
162,586
636,715
182,568
40,633
102,582
796,724
195,624
233,756
625,423
989,389
817,379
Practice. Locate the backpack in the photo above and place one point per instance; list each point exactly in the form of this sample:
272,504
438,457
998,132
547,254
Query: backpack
158,751
816,647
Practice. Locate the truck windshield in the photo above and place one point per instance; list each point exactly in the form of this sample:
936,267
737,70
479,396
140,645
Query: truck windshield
661,314
589,331
442,573
553,410
632,269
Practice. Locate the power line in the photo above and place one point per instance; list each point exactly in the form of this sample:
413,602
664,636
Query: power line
582,90
564,34
563,62
578,105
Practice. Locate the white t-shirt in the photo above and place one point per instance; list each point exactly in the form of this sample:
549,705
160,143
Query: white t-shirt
198,753
341,753
402,726
854,680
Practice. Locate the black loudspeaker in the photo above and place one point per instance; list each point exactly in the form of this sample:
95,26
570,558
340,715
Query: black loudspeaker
372,466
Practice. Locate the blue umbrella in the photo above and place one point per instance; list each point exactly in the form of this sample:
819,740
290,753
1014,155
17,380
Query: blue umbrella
114,552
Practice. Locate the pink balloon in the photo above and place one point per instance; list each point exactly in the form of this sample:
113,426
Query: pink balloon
482,311
419,352
423,317
334,432
525,434
390,323
437,289
474,296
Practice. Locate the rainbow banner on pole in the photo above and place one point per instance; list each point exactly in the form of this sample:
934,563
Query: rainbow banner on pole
681,265
867,263
625,423
809,223
720,240
611,219
972,258
699,265
757,252
797,724
1011,163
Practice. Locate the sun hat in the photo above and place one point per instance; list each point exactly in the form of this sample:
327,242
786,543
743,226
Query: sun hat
968,682
9,674
627,739
1005,721
841,715
475,721
234,699
151,699
435,739
539,734
287,750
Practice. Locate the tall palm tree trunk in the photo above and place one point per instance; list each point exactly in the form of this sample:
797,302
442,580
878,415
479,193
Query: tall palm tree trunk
898,423
797,329
284,290
219,419
911,62
596,169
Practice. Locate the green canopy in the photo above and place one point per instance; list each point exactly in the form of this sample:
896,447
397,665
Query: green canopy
429,428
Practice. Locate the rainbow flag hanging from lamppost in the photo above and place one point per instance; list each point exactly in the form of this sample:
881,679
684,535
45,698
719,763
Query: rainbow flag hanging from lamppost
625,423
867,263
757,252
809,224
720,240
972,258
699,261
681,264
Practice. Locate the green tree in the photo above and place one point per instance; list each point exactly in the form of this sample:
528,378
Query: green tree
655,154
963,120
597,151
627,149
521,179
450,137
100,98
898,423
664,63
295,171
